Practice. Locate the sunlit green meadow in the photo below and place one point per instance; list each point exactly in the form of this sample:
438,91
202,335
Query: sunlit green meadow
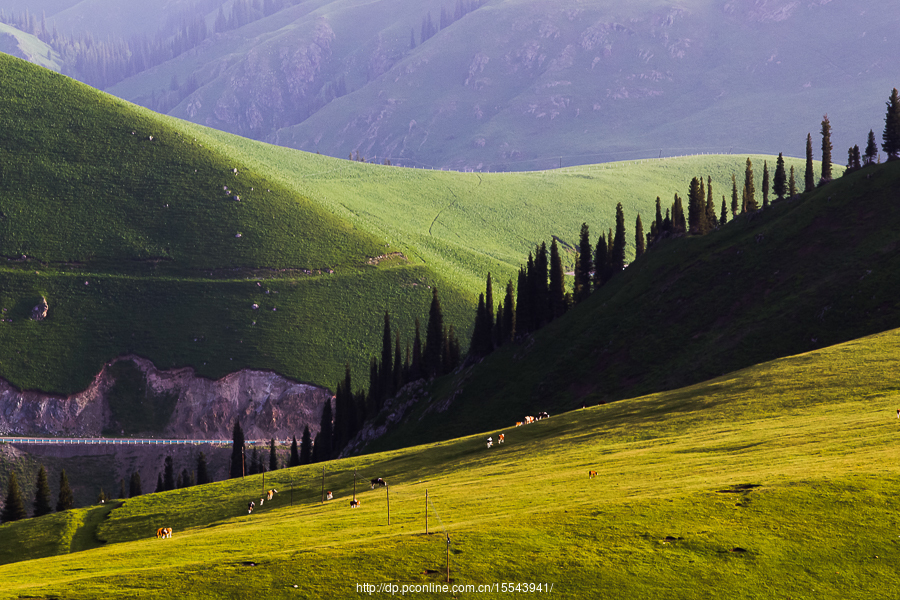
776,481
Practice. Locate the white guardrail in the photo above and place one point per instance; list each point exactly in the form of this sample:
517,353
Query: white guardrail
58,441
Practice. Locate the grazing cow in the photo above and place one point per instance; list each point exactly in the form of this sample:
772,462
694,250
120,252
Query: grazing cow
329,496
354,504
261,501
500,439
250,506
379,482
592,474
490,442
160,532
543,415
271,494
168,532
529,420
518,423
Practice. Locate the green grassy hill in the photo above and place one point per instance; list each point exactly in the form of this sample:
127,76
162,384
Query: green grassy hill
806,273
134,242
780,480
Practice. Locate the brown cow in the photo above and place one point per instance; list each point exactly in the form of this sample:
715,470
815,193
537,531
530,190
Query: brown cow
592,474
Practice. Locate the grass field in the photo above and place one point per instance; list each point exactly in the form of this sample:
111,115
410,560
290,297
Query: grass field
776,481
134,241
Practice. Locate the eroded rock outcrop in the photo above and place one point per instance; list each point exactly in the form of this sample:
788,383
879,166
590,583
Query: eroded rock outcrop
267,404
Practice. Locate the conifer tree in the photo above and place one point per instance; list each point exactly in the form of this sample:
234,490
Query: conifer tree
294,461
101,497
779,182
478,347
765,184
398,363
134,486
386,382
792,183
809,179
202,470
826,150
735,208
523,302
638,237
711,220
871,150
509,314
305,447
42,504
557,289
498,326
321,448
679,225
273,456
540,292
14,506
237,452
724,214
160,486
169,473
601,262
434,343
122,494
618,252
659,217
489,312
416,371
749,199
696,208
66,498
584,266
891,136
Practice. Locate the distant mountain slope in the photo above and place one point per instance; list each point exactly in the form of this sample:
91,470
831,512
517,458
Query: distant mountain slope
516,85
806,273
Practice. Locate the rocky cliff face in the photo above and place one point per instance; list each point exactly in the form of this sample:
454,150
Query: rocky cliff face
267,405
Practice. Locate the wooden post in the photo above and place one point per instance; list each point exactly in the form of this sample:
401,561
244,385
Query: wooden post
448,558
354,485
292,489
323,484
426,511
243,468
387,490
264,484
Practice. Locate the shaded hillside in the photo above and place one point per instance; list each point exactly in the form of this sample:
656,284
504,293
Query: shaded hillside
808,272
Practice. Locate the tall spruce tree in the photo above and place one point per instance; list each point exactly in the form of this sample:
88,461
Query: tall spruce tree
871,154
66,498
540,290
14,506
489,305
415,368
169,474
134,485
809,179
398,364
679,224
792,183
478,346
273,456
557,289
826,150
723,218
202,470
891,136
779,182
42,504
735,207
584,267
305,447
601,262
322,449
638,237
749,198
434,342
237,452
696,208
523,301
659,217
711,220
294,461
765,184
509,313
386,383
618,250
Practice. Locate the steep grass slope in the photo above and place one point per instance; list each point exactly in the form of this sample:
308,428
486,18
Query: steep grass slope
139,245
806,273
778,480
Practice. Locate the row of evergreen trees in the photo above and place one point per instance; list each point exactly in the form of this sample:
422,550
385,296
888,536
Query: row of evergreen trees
429,29
14,506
